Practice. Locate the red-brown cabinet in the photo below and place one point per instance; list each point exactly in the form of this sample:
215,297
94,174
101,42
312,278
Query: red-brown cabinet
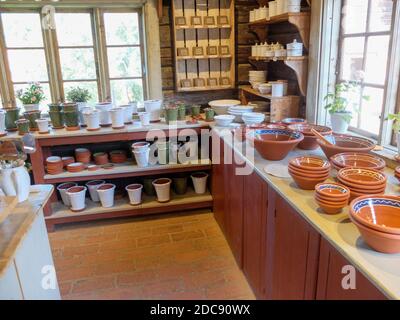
331,275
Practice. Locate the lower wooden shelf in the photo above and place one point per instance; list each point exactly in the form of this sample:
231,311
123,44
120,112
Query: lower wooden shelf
255,92
122,208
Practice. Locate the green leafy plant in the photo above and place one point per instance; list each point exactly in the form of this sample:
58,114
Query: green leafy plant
341,101
78,95
33,94
396,121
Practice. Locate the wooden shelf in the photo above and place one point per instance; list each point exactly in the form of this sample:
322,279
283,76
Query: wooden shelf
127,170
255,92
298,64
301,20
203,57
122,208
196,89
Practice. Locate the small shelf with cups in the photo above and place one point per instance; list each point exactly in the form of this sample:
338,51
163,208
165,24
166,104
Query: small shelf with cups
122,208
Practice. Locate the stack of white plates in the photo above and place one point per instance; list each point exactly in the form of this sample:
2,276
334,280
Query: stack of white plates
251,118
238,111
256,76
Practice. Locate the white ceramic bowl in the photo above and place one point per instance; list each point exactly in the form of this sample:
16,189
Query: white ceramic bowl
221,106
253,118
241,109
224,120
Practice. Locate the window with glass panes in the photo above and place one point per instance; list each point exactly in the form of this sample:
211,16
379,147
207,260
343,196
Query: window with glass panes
365,42
98,49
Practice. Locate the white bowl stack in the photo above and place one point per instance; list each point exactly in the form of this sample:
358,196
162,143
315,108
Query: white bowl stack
223,120
257,77
221,106
238,112
251,118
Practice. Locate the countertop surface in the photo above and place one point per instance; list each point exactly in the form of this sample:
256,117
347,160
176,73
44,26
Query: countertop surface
16,226
383,270
62,133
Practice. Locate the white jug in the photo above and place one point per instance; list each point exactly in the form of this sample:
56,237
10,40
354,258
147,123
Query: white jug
15,182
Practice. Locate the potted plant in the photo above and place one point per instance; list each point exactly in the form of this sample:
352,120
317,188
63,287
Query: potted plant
31,96
341,104
396,127
81,97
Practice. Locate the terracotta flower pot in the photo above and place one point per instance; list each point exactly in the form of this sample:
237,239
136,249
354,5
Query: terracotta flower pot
23,126
57,119
71,120
148,186
180,184
77,197
92,187
200,182
135,193
106,194
55,107
32,116
101,158
12,115
62,189
163,189
171,115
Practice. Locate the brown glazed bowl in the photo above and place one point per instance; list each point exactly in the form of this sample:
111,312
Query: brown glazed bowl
307,174
379,241
275,145
310,140
307,183
310,164
381,213
361,178
332,191
329,208
358,160
345,143
341,203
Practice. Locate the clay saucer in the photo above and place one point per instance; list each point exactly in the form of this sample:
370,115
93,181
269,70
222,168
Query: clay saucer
76,167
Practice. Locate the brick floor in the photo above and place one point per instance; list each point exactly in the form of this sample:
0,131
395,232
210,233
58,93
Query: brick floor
174,256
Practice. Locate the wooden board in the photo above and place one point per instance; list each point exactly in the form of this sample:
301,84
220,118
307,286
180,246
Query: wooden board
7,205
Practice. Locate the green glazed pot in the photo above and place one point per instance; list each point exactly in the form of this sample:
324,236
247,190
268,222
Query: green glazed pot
180,184
182,113
57,119
210,113
12,115
148,186
171,115
71,119
70,107
55,107
195,110
23,126
32,116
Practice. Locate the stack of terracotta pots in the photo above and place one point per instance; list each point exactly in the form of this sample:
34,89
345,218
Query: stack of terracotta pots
118,156
54,165
377,219
332,197
76,167
100,158
362,182
82,155
67,160
307,172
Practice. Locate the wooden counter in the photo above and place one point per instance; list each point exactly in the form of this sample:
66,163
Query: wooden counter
382,270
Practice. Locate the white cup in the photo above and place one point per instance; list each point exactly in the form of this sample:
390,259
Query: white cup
128,112
106,194
142,157
92,187
163,189
43,125
62,189
77,198
135,193
105,116
199,182
92,120
117,118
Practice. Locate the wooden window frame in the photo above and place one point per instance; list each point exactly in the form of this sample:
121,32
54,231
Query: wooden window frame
51,49
382,137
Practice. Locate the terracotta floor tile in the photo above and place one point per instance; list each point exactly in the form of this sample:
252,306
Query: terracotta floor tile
174,256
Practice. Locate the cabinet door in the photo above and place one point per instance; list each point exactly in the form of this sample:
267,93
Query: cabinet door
255,213
234,185
9,285
295,255
331,275
217,185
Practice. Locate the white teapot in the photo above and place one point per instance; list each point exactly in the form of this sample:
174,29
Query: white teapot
15,182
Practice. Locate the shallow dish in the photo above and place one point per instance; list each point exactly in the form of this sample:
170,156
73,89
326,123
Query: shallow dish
314,164
379,241
381,213
345,143
224,120
358,160
362,177
332,191
275,145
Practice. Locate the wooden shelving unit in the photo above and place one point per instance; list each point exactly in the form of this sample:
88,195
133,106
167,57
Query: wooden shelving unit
122,208
190,36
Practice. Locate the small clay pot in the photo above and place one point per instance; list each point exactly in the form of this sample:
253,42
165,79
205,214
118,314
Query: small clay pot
68,107
101,158
71,120
181,112
171,115
32,116
195,109
180,184
12,115
163,189
23,126
148,186
57,119
55,107
210,113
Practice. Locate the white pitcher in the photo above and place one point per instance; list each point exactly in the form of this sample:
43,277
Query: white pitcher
15,182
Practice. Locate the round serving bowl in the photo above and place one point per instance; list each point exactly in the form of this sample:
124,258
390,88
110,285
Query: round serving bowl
362,177
345,143
358,160
310,140
330,208
307,183
291,121
379,241
224,120
332,191
381,213
307,174
221,106
313,164
275,145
